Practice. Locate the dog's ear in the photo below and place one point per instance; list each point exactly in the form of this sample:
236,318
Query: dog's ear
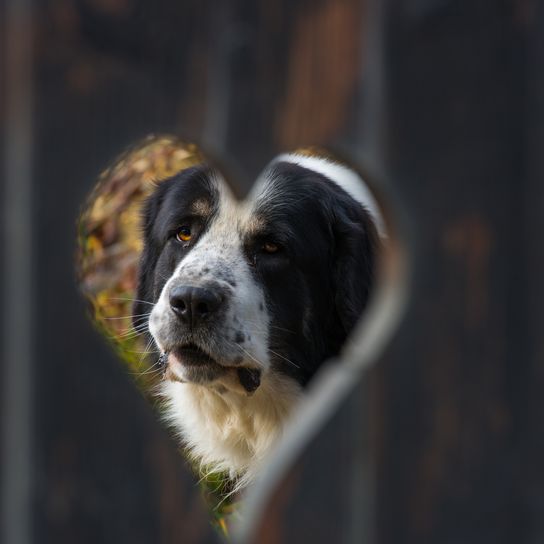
148,260
356,247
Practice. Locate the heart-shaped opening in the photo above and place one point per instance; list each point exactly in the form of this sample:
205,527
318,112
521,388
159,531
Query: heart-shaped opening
228,309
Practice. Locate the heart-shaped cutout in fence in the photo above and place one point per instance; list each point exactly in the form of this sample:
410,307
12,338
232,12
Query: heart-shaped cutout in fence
245,300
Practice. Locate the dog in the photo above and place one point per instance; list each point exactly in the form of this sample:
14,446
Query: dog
250,298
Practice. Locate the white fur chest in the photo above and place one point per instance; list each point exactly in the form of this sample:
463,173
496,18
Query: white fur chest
228,432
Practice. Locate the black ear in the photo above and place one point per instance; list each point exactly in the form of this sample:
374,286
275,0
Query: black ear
357,244
144,297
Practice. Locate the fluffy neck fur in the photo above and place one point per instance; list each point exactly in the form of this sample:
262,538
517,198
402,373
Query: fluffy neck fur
229,432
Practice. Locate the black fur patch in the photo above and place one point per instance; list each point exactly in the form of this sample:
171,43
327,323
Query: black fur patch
169,208
319,282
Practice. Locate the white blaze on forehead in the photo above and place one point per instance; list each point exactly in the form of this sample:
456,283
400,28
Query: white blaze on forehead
344,177
232,218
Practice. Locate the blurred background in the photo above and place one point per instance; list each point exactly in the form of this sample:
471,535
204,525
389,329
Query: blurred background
442,441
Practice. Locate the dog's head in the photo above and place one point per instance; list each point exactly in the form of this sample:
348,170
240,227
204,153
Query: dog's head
273,284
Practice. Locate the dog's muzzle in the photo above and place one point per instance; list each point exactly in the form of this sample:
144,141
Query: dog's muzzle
196,314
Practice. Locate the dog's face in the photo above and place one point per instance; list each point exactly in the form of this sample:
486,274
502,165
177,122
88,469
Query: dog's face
246,290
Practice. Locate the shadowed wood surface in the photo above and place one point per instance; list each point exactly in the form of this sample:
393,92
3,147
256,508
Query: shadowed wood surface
443,442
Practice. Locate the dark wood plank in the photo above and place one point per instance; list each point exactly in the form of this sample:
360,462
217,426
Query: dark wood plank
456,83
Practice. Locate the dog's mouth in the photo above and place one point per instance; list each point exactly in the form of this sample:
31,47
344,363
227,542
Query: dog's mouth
192,355
190,363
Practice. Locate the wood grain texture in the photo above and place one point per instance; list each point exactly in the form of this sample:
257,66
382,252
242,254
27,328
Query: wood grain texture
456,84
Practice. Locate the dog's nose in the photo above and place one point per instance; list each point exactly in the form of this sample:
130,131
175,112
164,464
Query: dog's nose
194,304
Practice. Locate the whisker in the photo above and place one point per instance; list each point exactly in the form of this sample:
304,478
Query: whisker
281,329
147,372
124,336
284,358
256,326
249,355
146,350
150,370
127,316
133,300
130,333
139,326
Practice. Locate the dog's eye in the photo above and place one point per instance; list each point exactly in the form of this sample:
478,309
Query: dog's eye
270,247
184,234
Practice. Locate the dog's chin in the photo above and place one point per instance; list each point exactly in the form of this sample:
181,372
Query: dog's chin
190,364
